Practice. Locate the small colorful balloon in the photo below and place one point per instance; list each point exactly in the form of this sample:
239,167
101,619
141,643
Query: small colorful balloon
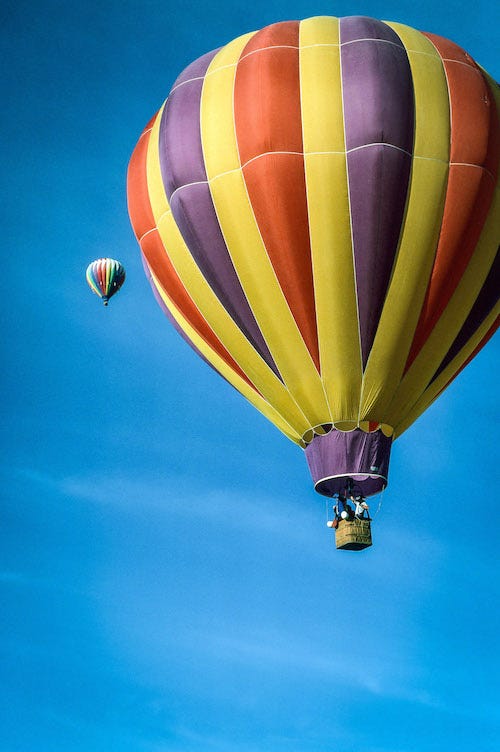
105,276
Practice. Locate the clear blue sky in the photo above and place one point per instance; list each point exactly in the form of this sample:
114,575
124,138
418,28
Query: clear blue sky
168,583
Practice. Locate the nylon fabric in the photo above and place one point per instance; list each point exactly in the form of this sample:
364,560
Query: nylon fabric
318,213
471,182
378,106
329,216
267,120
231,337
440,340
420,230
244,240
156,256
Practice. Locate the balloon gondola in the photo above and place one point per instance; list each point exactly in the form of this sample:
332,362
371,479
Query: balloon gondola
105,276
317,208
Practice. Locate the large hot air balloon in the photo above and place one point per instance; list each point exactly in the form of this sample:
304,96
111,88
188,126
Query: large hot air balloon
105,276
318,211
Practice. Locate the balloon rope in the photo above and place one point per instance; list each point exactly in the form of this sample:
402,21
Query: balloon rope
380,503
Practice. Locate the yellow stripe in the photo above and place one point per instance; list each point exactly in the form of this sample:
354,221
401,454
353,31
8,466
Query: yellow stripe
108,270
434,390
418,242
447,328
259,373
226,371
243,239
329,215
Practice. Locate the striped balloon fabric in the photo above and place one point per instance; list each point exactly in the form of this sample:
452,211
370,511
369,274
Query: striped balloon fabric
318,211
105,276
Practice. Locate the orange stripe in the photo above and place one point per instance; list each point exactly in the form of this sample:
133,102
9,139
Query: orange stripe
268,120
152,247
475,144
139,208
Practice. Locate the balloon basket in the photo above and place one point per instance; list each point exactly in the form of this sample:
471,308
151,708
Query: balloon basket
353,535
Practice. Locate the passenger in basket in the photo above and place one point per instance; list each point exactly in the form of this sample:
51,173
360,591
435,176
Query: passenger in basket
361,507
343,509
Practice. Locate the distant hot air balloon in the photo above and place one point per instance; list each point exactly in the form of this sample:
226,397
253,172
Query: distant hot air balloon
105,276
318,211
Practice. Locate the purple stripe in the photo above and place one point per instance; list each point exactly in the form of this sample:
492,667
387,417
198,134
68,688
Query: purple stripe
196,69
181,155
379,126
338,457
485,302
185,180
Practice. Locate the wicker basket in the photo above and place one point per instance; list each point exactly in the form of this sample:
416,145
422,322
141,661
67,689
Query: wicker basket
353,535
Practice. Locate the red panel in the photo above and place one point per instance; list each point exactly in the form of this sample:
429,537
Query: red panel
268,119
101,275
267,93
285,33
139,208
475,140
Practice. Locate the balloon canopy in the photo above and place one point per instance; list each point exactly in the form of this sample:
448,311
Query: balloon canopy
105,276
318,211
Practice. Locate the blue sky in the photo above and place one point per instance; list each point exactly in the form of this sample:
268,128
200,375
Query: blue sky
168,583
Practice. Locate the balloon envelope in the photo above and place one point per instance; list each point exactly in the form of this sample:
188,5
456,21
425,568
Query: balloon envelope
317,207
105,276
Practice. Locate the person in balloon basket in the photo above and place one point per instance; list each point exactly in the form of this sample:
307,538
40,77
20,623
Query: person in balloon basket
344,511
361,508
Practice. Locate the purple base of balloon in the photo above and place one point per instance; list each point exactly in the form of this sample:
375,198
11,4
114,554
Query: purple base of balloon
338,456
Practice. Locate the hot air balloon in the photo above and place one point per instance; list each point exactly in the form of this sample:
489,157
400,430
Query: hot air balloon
318,211
105,276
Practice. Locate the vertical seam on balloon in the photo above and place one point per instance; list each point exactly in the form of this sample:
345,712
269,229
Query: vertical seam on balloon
377,241
445,69
240,169
230,296
272,270
200,312
235,66
299,49
350,222
403,219
168,211
446,193
416,158
247,327
207,343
